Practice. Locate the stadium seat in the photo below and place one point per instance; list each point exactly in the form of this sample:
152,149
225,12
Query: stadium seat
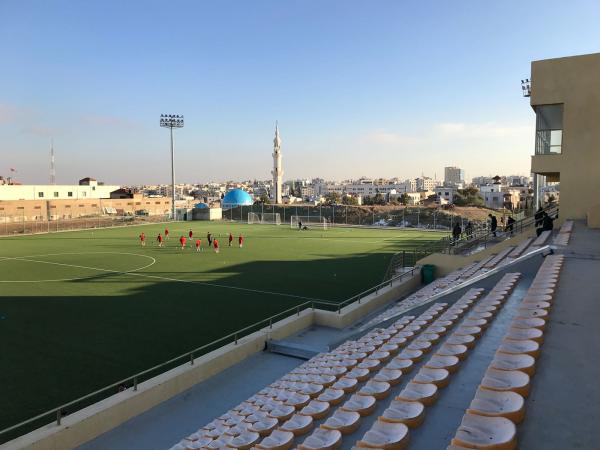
345,422
385,435
472,331
439,377
423,346
277,440
391,376
244,441
401,411
458,350
221,442
465,339
498,404
315,409
533,322
413,355
322,439
362,404
519,334
404,365
378,389
298,424
450,363
506,380
419,392
360,373
331,396
298,401
528,347
346,384
264,426
505,361
480,432
282,412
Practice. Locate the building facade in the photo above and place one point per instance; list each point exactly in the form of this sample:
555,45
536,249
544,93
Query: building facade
454,176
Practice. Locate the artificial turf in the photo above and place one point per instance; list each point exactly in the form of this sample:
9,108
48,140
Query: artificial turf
81,310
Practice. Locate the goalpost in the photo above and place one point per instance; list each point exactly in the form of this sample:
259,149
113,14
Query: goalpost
309,221
265,218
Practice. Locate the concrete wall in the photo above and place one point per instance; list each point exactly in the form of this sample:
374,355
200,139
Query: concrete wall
572,81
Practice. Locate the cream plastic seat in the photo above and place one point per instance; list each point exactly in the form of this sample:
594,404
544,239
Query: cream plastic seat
360,373
399,341
391,376
419,392
362,404
402,411
277,440
297,400
482,432
450,363
534,322
475,322
331,396
200,442
404,365
378,389
345,422
505,361
264,426
458,350
506,380
392,348
423,346
380,355
472,331
244,440
315,409
426,336
439,377
527,347
413,355
221,442
298,424
531,297
282,412
465,339
370,364
385,435
529,304
519,334
498,404
322,439
346,384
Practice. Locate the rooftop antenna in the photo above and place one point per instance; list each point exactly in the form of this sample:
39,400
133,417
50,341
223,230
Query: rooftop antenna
52,168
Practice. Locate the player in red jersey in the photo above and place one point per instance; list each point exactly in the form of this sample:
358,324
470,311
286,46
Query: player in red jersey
182,242
159,239
216,245
198,245
230,239
166,233
191,234
143,239
241,241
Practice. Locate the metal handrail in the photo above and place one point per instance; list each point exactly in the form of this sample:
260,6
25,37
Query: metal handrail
190,355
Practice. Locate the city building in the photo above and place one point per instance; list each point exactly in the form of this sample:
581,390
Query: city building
565,96
88,188
454,176
446,194
426,184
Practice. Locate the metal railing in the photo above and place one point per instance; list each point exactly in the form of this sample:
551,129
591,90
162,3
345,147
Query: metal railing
133,381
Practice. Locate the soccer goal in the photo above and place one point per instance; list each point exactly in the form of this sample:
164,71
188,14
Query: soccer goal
253,218
271,218
309,221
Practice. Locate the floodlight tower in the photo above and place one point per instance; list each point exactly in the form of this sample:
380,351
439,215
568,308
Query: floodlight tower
172,121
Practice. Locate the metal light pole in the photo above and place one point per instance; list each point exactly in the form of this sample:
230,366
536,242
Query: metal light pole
172,121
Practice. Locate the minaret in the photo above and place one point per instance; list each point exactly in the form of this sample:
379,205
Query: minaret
52,168
277,171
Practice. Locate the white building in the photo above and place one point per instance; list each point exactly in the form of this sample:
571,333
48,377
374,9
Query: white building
446,193
89,190
427,184
493,195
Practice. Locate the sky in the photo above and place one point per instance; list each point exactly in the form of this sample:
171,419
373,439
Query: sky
376,88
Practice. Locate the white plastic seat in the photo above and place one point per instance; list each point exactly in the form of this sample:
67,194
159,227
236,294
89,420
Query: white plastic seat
506,380
404,365
362,404
282,412
298,424
419,392
458,350
465,339
244,440
264,426
331,396
360,373
413,355
426,375
402,411
378,389
315,409
450,363
480,432
346,384
385,435
221,442
506,361
345,422
277,440
298,401
423,346
519,334
391,376
322,439
526,346
498,404
370,364
533,322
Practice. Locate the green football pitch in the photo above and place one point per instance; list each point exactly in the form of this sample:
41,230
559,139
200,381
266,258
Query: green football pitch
81,310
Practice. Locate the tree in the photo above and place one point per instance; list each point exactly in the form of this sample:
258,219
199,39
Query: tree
349,200
332,198
404,199
379,199
264,198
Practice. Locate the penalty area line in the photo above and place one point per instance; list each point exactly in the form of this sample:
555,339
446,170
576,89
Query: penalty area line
158,277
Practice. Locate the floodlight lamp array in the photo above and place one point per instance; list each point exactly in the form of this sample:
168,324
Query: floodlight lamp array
171,120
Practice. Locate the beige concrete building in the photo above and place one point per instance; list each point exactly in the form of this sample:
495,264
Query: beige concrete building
565,95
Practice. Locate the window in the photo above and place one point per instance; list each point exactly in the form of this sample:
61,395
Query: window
40,194
56,194
93,188
84,194
70,194
548,129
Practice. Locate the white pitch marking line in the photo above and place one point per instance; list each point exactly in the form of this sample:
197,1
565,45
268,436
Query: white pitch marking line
156,277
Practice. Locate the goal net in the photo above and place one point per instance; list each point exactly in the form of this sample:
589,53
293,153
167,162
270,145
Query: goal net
271,218
309,221
253,218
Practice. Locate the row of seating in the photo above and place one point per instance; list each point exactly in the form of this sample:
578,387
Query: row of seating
520,249
407,410
499,403
498,258
564,234
541,240
288,407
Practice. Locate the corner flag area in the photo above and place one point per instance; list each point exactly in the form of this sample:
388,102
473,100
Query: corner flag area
81,310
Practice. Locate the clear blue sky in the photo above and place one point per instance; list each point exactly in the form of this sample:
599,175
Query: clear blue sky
375,88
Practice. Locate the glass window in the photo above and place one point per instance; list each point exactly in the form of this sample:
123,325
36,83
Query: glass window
56,194
548,129
40,194
70,194
84,194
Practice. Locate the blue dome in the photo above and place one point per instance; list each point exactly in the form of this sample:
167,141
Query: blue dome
200,206
235,198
